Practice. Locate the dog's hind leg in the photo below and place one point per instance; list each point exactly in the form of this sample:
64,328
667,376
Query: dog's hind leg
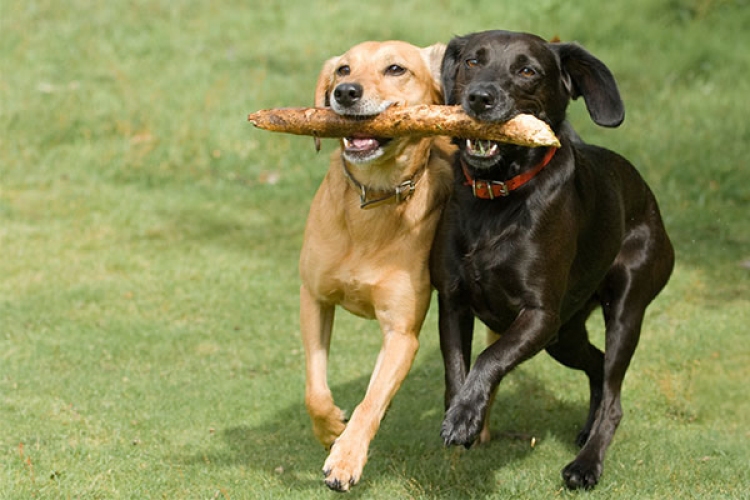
316,322
624,297
573,349
623,331
638,274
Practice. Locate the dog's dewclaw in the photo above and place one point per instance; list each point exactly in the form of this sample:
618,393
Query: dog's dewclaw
423,120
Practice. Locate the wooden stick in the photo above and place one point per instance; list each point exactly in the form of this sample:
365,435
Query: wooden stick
422,121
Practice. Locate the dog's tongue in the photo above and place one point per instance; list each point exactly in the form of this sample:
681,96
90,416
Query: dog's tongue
362,143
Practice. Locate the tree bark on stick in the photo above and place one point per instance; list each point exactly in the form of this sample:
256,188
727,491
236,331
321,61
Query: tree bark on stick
396,121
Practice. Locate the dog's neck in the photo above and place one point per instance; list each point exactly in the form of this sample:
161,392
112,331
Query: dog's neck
512,161
385,183
489,188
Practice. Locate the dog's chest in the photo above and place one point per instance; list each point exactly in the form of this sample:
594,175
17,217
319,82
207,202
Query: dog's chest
348,282
362,278
492,269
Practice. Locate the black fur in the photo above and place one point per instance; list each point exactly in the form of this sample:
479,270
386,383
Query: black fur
532,266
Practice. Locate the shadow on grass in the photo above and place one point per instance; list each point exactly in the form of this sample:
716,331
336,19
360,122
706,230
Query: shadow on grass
408,447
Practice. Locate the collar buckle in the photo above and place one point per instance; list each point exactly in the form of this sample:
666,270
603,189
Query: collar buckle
405,190
489,189
502,189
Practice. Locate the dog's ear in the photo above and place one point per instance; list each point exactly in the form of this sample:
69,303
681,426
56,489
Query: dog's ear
323,89
585,75
433,58
449,68
325,79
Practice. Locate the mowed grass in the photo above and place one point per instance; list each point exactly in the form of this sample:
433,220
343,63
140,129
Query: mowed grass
149,340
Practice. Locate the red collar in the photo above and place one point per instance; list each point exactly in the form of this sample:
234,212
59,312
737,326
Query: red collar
489,190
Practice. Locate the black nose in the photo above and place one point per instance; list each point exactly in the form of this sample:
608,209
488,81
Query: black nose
481,100
347,94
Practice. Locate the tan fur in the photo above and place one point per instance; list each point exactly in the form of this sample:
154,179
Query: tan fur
374,263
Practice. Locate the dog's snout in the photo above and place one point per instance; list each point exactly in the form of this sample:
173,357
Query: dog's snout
481,99
348,94
487,101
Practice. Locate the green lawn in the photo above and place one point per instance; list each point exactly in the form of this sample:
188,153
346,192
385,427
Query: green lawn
149,341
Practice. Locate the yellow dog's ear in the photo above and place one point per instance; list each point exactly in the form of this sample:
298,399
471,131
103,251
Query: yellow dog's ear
325,79
433,57
323,88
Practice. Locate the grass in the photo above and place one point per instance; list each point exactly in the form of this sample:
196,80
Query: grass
149,345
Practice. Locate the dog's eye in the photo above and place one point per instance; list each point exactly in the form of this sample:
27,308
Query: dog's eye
395,70
343,70
472,63
527,72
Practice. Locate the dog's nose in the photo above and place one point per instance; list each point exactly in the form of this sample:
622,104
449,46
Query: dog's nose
482,99
347,94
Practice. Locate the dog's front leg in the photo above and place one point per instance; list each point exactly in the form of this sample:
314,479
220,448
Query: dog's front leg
527,335
344,465
316,322
456,326
486,435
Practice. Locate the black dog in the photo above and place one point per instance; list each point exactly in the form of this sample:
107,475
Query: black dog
534,239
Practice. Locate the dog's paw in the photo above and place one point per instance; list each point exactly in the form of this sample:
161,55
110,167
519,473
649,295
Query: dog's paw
462,424
338,481
344,466
329,426
582,474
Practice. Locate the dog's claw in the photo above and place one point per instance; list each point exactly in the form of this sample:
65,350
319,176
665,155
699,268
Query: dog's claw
343,467
335,485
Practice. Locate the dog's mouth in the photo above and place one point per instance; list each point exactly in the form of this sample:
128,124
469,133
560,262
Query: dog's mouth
482,149
362,149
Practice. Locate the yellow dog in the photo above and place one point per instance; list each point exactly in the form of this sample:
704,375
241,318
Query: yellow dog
368,237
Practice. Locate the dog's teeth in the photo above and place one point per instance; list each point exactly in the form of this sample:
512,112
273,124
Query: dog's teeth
482,148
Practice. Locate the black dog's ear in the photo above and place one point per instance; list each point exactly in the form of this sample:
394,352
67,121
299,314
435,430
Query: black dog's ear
449,68
585,75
